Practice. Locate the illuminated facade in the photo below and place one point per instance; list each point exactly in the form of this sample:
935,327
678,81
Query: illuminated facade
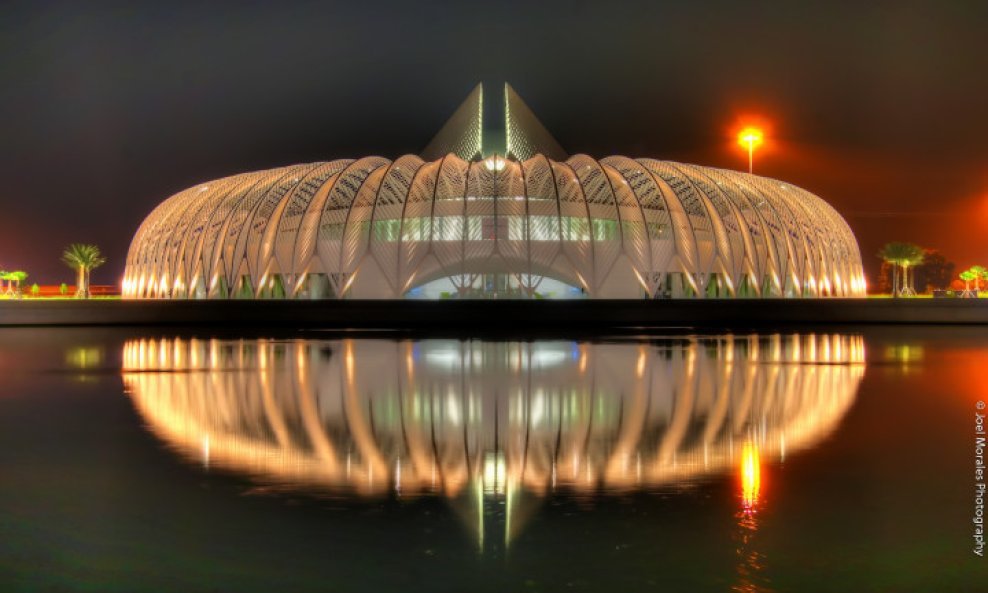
493,214
471,421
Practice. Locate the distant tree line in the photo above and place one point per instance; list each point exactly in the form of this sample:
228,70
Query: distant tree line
82,258
908,268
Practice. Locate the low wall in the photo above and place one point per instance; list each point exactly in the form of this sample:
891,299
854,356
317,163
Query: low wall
505,314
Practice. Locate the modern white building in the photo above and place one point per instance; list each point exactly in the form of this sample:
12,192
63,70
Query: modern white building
493,214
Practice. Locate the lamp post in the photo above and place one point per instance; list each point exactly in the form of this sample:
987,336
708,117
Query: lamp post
750,138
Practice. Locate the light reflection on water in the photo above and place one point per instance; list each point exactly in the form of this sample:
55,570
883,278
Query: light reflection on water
511,422
750,560
211,473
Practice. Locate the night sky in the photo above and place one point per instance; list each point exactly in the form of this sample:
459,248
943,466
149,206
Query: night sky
107,109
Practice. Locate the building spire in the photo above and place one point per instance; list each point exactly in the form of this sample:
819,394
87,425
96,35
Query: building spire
462,134
525,135
519,135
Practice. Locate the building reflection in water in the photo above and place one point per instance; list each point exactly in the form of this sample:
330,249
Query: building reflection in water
479,422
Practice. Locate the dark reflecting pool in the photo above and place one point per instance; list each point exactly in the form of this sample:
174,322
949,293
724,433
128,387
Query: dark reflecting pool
773,462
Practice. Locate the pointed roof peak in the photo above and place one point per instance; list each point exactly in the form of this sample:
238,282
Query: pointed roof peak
524,133
519,135
463,131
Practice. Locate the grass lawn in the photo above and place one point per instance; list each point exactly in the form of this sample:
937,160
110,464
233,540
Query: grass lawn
27,298
981,295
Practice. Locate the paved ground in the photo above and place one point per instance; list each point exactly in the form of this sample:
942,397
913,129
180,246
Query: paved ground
504,314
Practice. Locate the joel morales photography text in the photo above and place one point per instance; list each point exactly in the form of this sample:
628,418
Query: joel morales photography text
979,480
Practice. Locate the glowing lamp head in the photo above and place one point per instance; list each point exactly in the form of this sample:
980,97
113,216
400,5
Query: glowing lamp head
751,137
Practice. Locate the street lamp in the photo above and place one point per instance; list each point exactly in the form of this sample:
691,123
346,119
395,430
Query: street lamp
751,138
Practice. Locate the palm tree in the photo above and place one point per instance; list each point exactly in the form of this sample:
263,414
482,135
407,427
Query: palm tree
17,277
914,257
891,253
83,259
980,273
905,256
967,276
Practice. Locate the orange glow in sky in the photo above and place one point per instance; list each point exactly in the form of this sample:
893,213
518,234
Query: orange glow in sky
750,133
751,137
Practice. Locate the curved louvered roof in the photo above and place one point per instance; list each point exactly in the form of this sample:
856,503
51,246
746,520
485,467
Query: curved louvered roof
376,228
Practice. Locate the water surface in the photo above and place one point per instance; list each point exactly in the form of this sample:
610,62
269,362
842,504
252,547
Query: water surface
195,461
